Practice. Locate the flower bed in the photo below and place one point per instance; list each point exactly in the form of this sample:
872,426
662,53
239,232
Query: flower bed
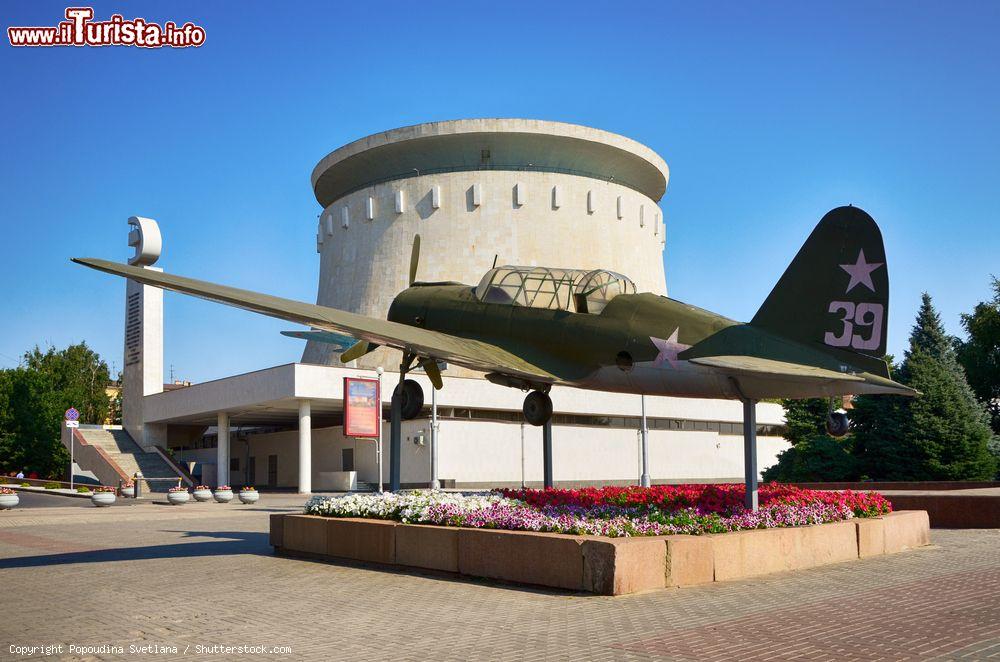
613,512
724,499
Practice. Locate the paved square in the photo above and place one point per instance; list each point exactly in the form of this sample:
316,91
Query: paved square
204,575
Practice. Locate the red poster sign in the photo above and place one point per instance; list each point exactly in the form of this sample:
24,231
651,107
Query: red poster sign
362,408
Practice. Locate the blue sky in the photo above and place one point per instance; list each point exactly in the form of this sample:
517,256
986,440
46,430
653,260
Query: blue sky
768,115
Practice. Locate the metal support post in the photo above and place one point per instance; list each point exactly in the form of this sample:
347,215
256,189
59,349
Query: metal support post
547,453
435,481
644,478
522,455
72,459
396,433
378,442
750,452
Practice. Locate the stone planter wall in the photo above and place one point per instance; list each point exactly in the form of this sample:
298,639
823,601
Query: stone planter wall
954,511
608,566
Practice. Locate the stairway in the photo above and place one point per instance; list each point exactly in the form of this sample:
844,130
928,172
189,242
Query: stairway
130,457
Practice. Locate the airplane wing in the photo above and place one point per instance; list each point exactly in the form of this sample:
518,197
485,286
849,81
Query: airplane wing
755,365
745,351
472,354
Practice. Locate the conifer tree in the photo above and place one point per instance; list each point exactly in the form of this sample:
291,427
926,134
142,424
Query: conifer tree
942,434
814,456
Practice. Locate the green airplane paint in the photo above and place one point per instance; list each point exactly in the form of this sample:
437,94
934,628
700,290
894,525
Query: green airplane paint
820,333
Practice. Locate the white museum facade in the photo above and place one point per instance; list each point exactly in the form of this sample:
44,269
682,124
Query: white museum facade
478,192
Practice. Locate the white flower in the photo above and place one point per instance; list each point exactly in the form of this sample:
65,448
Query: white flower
410,507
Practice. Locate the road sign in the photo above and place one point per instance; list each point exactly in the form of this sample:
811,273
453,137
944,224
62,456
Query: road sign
72,414
72,424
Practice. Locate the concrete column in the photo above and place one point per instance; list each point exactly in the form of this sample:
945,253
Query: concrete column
222,451
305,447
143,360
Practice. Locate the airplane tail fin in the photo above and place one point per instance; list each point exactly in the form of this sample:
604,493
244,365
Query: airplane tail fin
836,290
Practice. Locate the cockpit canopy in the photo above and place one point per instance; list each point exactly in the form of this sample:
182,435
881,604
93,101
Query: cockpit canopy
574,290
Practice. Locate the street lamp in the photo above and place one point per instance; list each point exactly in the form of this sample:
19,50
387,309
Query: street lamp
435,483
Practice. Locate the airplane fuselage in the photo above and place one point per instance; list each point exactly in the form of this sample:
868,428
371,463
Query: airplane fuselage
631,346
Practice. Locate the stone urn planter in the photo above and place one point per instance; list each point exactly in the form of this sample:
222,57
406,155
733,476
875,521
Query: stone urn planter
178,495
103,496
224,494
249,495
8,498
202,493
128,491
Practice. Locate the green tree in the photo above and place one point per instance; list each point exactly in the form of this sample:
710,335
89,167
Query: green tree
881,446
6,421
34,397
980,354
814,456
115,408
804,419
942,434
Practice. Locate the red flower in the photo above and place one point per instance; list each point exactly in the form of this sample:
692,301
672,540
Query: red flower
716,498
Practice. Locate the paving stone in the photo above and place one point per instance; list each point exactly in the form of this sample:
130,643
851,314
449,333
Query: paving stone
187,577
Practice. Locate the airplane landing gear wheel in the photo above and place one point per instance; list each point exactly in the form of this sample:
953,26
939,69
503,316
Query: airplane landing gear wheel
412,399
837,424
537,408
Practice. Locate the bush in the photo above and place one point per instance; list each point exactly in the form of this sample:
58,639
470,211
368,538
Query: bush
52,486
819,459
25,484
82,489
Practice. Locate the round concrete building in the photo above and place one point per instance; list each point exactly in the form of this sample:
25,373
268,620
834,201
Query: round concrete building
522,192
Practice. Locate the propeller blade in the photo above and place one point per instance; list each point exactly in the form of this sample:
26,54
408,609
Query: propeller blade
357,350
432,370
414,258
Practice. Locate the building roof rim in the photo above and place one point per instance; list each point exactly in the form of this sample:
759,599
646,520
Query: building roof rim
466,126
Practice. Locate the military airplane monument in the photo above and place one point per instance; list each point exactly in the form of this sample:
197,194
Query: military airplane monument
820,333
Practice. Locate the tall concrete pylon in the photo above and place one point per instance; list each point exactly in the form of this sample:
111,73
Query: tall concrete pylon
143,359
